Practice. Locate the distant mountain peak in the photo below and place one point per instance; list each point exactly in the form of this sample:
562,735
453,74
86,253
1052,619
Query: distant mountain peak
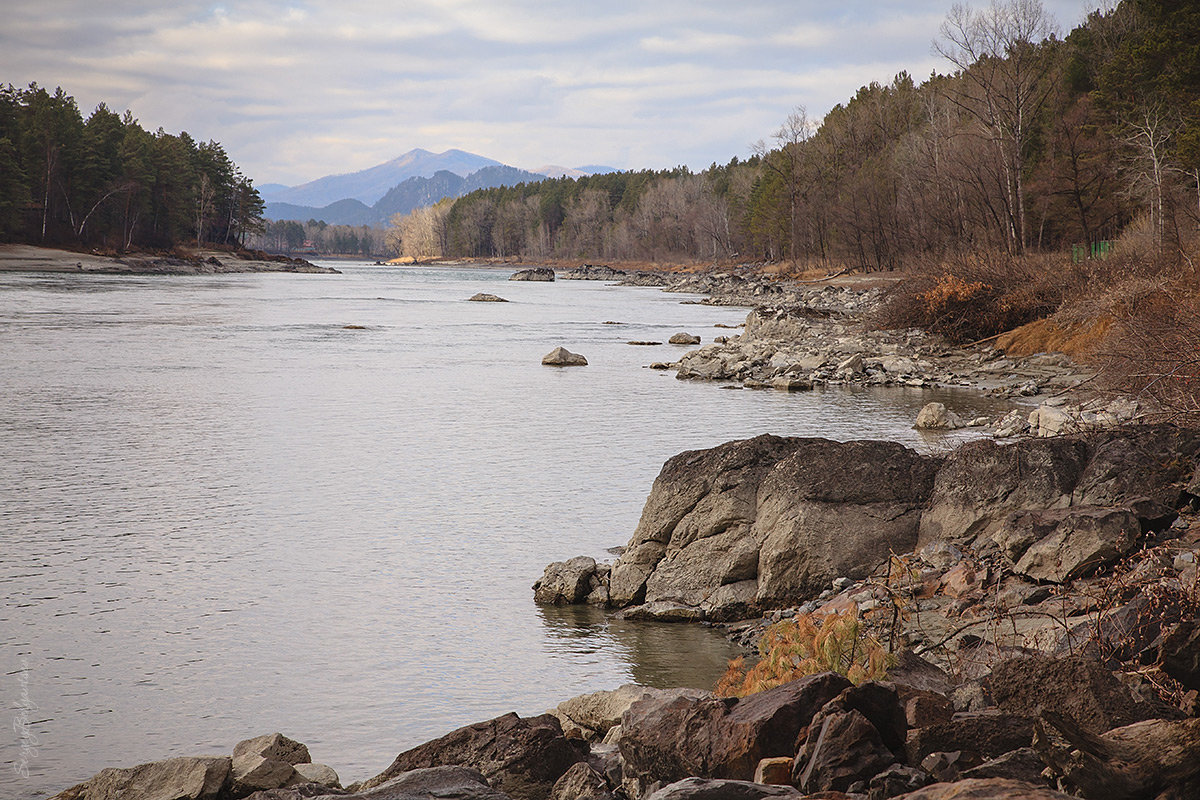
368,185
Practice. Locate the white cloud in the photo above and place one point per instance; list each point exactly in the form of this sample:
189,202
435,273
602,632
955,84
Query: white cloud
296,89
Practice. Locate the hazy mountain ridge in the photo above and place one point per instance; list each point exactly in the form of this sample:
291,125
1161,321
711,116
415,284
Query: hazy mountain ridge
417,178
411,193
369,185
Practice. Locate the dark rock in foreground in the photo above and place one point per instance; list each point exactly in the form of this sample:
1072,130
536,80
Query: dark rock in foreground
521,757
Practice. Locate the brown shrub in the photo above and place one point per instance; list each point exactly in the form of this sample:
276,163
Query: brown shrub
976,295
793,648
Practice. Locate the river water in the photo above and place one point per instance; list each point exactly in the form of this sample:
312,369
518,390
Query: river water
224,512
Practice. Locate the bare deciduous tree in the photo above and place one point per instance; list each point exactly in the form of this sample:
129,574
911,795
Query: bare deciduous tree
1003,68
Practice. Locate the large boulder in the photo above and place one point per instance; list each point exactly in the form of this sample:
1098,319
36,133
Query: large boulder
593,272
1152,759
853,738
768,724
521,757
978,735
1139,468
836,509
533,274
1061,545
1092,695
185,778
667,739
781,516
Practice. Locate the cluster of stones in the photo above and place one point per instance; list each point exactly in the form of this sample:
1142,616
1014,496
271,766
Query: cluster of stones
264,764
823,341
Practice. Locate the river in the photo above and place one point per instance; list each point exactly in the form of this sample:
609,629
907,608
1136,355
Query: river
236,504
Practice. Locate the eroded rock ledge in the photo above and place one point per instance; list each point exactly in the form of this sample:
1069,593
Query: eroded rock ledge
769,522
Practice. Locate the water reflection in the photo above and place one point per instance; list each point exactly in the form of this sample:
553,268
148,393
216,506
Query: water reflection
658,654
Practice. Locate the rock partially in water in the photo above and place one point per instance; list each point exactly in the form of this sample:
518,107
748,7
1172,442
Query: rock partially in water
934,416
184,778
591,716
533,274
484,297
562,357
684,338
787,515
565,582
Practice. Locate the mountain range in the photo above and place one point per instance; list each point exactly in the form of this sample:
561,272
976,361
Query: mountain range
416,179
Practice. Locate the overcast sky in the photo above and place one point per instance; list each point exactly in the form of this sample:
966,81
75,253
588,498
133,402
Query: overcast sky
297,90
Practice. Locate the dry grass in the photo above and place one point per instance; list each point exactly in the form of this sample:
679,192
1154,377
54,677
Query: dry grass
1080,340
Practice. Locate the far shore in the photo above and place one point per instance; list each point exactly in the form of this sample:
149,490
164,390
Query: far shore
30,258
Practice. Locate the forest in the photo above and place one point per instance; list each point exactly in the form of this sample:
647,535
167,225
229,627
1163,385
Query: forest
106,183
1034,142
315,237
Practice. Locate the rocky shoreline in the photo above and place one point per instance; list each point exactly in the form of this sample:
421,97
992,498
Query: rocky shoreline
1040,597
800,336
27,258
1037,589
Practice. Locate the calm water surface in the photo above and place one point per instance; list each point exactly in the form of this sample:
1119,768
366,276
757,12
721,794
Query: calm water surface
224,513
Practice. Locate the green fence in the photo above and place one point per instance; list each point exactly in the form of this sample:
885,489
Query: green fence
1098,250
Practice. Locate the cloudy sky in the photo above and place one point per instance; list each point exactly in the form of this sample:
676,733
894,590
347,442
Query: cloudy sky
299,89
